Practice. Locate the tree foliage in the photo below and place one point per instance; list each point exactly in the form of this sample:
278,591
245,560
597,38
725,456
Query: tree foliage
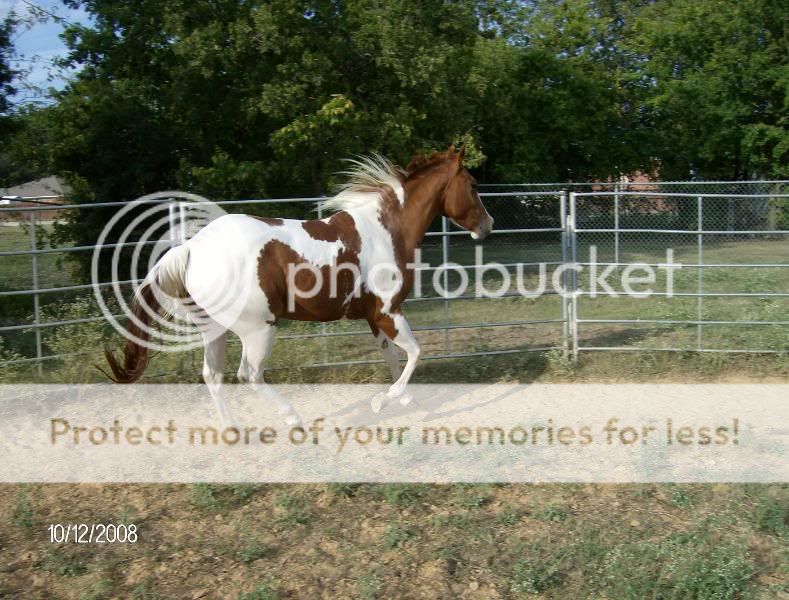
6,72
719,76
251,98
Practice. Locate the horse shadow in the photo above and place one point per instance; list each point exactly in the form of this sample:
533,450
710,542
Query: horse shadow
443,394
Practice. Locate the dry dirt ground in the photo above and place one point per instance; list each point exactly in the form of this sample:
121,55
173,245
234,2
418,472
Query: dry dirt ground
400,541
260,542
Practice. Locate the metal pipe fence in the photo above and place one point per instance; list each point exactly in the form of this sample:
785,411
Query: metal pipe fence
734,235
735,228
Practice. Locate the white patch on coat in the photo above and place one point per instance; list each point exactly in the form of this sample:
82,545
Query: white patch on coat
377,256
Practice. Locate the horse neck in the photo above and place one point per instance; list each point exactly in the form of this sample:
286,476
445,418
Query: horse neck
424,196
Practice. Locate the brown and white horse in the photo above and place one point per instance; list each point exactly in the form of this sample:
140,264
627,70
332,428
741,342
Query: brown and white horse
355,264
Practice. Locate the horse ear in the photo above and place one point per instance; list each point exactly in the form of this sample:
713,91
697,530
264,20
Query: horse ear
459,157
451,151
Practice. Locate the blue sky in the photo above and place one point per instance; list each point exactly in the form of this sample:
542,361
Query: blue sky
37,46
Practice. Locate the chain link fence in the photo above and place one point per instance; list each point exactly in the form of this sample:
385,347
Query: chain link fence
735,245
731,292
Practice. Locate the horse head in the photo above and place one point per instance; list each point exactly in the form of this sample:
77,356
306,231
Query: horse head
460,201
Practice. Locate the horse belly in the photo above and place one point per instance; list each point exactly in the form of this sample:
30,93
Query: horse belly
307,294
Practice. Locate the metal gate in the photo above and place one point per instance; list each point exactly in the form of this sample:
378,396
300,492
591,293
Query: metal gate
730,292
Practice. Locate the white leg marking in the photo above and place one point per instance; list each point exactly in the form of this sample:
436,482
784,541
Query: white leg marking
405,339
389,351
257,346
213,367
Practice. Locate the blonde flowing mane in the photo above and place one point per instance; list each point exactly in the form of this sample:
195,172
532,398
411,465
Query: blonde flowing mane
367,179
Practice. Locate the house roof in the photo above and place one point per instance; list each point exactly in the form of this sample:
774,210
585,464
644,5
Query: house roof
47,186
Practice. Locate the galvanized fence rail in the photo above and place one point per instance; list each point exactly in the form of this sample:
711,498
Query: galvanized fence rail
439,240
535,223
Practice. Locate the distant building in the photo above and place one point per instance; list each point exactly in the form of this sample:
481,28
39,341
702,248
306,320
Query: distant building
41,192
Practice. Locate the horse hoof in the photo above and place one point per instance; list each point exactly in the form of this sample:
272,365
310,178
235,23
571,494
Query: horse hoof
378,402
406,399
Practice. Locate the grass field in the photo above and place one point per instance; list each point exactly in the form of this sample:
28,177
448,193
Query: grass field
256,542
401,541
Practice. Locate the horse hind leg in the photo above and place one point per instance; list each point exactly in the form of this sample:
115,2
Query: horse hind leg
257,345
243,367
215,343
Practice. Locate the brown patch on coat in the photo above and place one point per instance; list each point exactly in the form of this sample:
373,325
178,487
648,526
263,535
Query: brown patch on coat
277,259
321,230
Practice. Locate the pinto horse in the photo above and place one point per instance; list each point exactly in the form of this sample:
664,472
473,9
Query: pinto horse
355,264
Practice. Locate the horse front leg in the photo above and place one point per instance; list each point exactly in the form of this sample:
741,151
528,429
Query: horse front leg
389,351
396,328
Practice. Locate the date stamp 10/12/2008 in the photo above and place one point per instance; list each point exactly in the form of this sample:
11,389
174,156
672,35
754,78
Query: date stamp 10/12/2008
92,533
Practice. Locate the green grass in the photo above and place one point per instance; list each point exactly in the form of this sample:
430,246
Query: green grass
293,510
212,497
400,494
53,270
512,541
677,566
553,513
397,535
537,575
253,551
265,591
23,511
64,562
369,585
772,516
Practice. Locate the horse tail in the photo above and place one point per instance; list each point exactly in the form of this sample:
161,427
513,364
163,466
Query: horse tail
169,275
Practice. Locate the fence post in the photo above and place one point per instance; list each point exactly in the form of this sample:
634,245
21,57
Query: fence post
616,224
182,222
445,277
700,269
574,277
324,337
565,287
172,220
36,302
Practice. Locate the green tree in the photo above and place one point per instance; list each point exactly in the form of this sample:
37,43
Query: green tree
556,94
7,74
251,99
719,76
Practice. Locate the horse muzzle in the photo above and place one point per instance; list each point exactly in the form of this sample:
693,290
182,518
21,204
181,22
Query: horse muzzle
483,229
